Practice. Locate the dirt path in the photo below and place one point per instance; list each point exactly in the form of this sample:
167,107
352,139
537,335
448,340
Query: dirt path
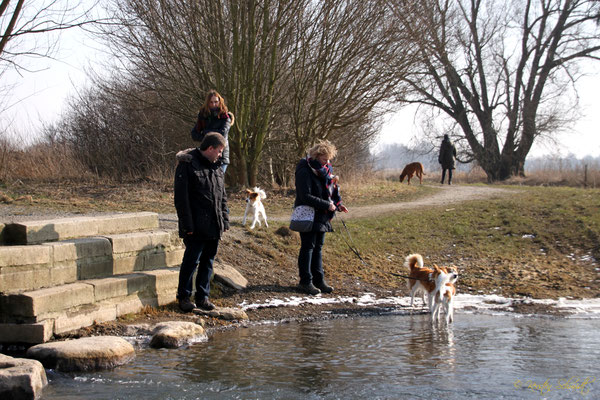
447,195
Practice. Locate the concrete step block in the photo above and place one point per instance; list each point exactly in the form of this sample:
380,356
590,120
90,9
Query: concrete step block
34,333
139,241
128,222
35,304
33,267
147,260
24,267
134,304
89,257
34,232
165,284
82,316
39,314
121,286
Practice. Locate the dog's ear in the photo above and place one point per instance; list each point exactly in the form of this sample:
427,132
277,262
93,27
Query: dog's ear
249,191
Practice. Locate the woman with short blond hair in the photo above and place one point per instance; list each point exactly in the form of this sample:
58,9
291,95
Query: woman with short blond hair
316,186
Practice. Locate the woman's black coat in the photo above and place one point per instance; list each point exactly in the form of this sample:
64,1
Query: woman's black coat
311,191
213,123
447,154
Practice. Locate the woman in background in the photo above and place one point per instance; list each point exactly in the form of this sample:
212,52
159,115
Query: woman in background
446,158
214,116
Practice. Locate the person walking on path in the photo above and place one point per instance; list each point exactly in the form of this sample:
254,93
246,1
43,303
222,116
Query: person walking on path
214,116
316,186
203,216
447,157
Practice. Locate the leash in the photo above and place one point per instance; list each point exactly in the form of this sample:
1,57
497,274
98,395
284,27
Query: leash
409,277
353,248
355,251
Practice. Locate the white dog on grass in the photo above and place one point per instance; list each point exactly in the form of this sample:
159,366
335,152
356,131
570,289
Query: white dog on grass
255,207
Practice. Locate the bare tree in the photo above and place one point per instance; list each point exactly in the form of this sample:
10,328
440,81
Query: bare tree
115,134
341,70
180,50
339,77
25,26
500,71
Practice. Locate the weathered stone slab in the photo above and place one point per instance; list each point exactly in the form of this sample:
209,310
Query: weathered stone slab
24,267
33,232
174,334
229,276
139,241
162,259
120,286
81,248
165,284
38,302
128,222
90,269
83,316
85,354
35,333
11,256
21,379
134,303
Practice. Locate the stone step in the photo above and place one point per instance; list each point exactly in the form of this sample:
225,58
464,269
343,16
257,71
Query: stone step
35,316
35,232
56,263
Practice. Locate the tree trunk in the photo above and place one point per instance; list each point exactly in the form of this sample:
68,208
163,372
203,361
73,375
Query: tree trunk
502,168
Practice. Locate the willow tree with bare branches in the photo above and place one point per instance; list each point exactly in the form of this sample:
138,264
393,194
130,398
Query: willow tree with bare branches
346,62
501,72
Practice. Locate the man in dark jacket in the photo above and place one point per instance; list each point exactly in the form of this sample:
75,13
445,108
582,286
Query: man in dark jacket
201,204
446,158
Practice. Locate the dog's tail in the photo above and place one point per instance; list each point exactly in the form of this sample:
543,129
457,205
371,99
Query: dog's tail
260,192
413,261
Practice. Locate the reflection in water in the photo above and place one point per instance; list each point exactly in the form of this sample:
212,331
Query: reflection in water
477,357
310,344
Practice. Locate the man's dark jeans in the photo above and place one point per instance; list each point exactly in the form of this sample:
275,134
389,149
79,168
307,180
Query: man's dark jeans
310,259
201,254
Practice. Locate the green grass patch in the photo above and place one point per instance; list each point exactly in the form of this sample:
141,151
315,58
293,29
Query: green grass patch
532,242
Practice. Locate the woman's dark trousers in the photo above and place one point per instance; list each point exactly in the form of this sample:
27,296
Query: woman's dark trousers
449,175
201,254
310,259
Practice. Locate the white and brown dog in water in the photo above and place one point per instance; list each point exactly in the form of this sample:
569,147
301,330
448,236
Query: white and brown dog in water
446,302
432,281
255,207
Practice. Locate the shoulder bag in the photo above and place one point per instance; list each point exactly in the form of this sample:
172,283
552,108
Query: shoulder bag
302,218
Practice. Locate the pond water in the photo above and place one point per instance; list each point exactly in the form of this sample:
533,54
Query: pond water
386,357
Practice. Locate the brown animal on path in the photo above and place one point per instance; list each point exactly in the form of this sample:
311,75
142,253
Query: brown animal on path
411,169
